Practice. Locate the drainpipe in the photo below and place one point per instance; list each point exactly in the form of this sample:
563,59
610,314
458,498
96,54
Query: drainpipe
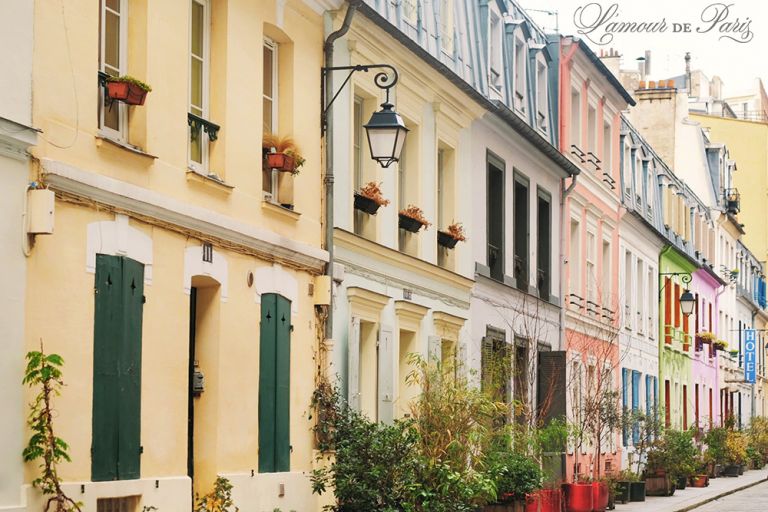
328,179
563,196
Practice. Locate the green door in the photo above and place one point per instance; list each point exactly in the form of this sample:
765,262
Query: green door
116,435
274,384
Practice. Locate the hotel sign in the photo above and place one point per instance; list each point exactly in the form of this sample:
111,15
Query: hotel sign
750,355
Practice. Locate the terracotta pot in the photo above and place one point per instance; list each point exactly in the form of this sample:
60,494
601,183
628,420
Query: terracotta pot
544,500
281,161
700,481
578,497
126,92
659,486
599,496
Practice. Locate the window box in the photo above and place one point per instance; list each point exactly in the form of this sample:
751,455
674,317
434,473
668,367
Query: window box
366,204
283,162
409,223
128,90
446,240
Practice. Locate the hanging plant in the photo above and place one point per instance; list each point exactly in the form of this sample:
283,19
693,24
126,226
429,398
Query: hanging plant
452,235
370,198
720,344
44,372
281,153
127,89
412,219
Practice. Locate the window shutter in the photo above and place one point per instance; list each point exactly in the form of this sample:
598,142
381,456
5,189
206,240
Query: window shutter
386,375
106,344
624,401
486,356
267,382
353,377
551,386
648,386
434,349
283,386
635,404
129,366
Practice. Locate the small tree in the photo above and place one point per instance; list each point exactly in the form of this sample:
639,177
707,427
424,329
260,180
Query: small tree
44,371
219,499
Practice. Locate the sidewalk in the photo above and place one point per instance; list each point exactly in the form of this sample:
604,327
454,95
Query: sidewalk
690,497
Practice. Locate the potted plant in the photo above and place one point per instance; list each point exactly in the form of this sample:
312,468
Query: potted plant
451,236
734,353
658,480
735,452
370,198
281,153
516,477
600,495
412,219
715,454
578,496
544,500
127,89
719,345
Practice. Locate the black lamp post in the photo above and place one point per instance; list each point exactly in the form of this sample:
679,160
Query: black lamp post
385,130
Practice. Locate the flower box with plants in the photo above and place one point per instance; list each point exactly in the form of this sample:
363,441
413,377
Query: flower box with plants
451,236
127,89
412,219
281,154
370,198
719,345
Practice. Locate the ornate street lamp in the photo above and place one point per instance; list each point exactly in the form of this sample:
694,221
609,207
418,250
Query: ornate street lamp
385,130
687,303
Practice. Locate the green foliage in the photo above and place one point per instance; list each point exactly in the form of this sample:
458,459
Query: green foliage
715,441
758,439
735,447
683,453
131,80
44,372
552,437
219,499
515,475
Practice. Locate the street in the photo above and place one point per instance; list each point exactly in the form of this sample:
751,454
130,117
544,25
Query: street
754,499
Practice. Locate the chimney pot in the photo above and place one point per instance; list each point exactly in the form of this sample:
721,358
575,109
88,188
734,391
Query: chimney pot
652,84
642,84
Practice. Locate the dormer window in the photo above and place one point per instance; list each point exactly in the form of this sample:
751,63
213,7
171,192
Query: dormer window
541,95
520,71
495,53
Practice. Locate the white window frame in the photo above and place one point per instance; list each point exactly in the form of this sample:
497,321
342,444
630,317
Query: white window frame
521,72
590,260
201,167
591,142
542,96
272,45
119,134
576,118
607,156
495,58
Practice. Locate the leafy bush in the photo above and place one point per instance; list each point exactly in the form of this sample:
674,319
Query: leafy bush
715,441
736,447
219,499
515,475
683,454
758,436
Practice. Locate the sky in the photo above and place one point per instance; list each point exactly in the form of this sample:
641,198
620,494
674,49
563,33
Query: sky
736,63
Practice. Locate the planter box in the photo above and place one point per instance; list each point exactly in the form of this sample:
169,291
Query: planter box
544,500
599,496
281,161
446,240
742,469
409,224
127,92
732,471
366,204
517,505
699,481
578,497
622,492
636,491
659,486
681,483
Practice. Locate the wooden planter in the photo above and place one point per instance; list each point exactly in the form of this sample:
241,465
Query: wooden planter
409,223
637,491
659,486
446,240
516,505
281,161
127,92
366,204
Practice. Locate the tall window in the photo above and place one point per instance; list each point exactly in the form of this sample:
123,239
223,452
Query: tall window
591,130
575,118
520,228
544,245
640,297
270,86
410,11
495,43
627,171
199,82
357,159
607,272
520,67
574,261
607,148
541,95
495,218
591,267
112,61
628,289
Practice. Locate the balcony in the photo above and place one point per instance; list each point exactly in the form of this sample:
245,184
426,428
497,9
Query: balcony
732,200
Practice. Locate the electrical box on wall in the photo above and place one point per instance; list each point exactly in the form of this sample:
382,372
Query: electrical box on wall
322,290
198,381
40,209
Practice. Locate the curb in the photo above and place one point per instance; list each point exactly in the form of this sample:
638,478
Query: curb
721,495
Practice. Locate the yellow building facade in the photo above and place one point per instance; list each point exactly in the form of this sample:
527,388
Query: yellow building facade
178,281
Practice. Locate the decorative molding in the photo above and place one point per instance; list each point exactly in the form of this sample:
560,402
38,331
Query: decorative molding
217,269
447,326
118,238
275,279
409,314
366,304
267,244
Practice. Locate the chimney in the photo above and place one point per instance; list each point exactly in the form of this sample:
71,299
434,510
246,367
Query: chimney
612,60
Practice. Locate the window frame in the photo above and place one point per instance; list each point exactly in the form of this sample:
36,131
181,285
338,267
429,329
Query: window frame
203,166
121,133
274,47
542,97
520,73
495,57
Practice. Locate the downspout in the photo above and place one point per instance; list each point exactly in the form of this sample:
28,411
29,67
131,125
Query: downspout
328,138
563,196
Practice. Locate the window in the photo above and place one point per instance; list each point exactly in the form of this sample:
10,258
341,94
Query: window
520,227
495,43
445,199
496,367
270,86
607,156
625,372
520,72
521,379
640,326
541,95
410,11
592,130
122,504
199,83
446,26
628,289
607,272
591,268
574,261
495,218
274,384
575,118
357,160
118,311
544,245
628,170
652,303
113,61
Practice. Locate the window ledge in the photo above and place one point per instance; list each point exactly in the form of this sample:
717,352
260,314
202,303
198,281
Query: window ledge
196,177
101,136
282,211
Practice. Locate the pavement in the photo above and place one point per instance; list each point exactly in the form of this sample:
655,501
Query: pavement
754,499
720,493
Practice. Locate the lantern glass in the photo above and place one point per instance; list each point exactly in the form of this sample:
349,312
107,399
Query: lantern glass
386,135
687,303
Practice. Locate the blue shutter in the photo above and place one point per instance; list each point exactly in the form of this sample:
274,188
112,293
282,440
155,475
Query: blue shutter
635,404
648,386
624,400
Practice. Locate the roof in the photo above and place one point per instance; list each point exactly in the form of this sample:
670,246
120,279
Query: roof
601,67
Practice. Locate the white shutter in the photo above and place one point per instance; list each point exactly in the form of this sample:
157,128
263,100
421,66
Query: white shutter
353,360
434,349
386,375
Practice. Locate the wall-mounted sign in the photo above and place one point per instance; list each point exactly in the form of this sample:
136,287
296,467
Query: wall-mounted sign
750,355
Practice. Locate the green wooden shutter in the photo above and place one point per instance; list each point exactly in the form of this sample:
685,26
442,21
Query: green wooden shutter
267,371
283,387
129,372
116,434
106,334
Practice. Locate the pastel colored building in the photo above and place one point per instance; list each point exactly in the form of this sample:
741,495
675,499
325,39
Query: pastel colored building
590,104
176,261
